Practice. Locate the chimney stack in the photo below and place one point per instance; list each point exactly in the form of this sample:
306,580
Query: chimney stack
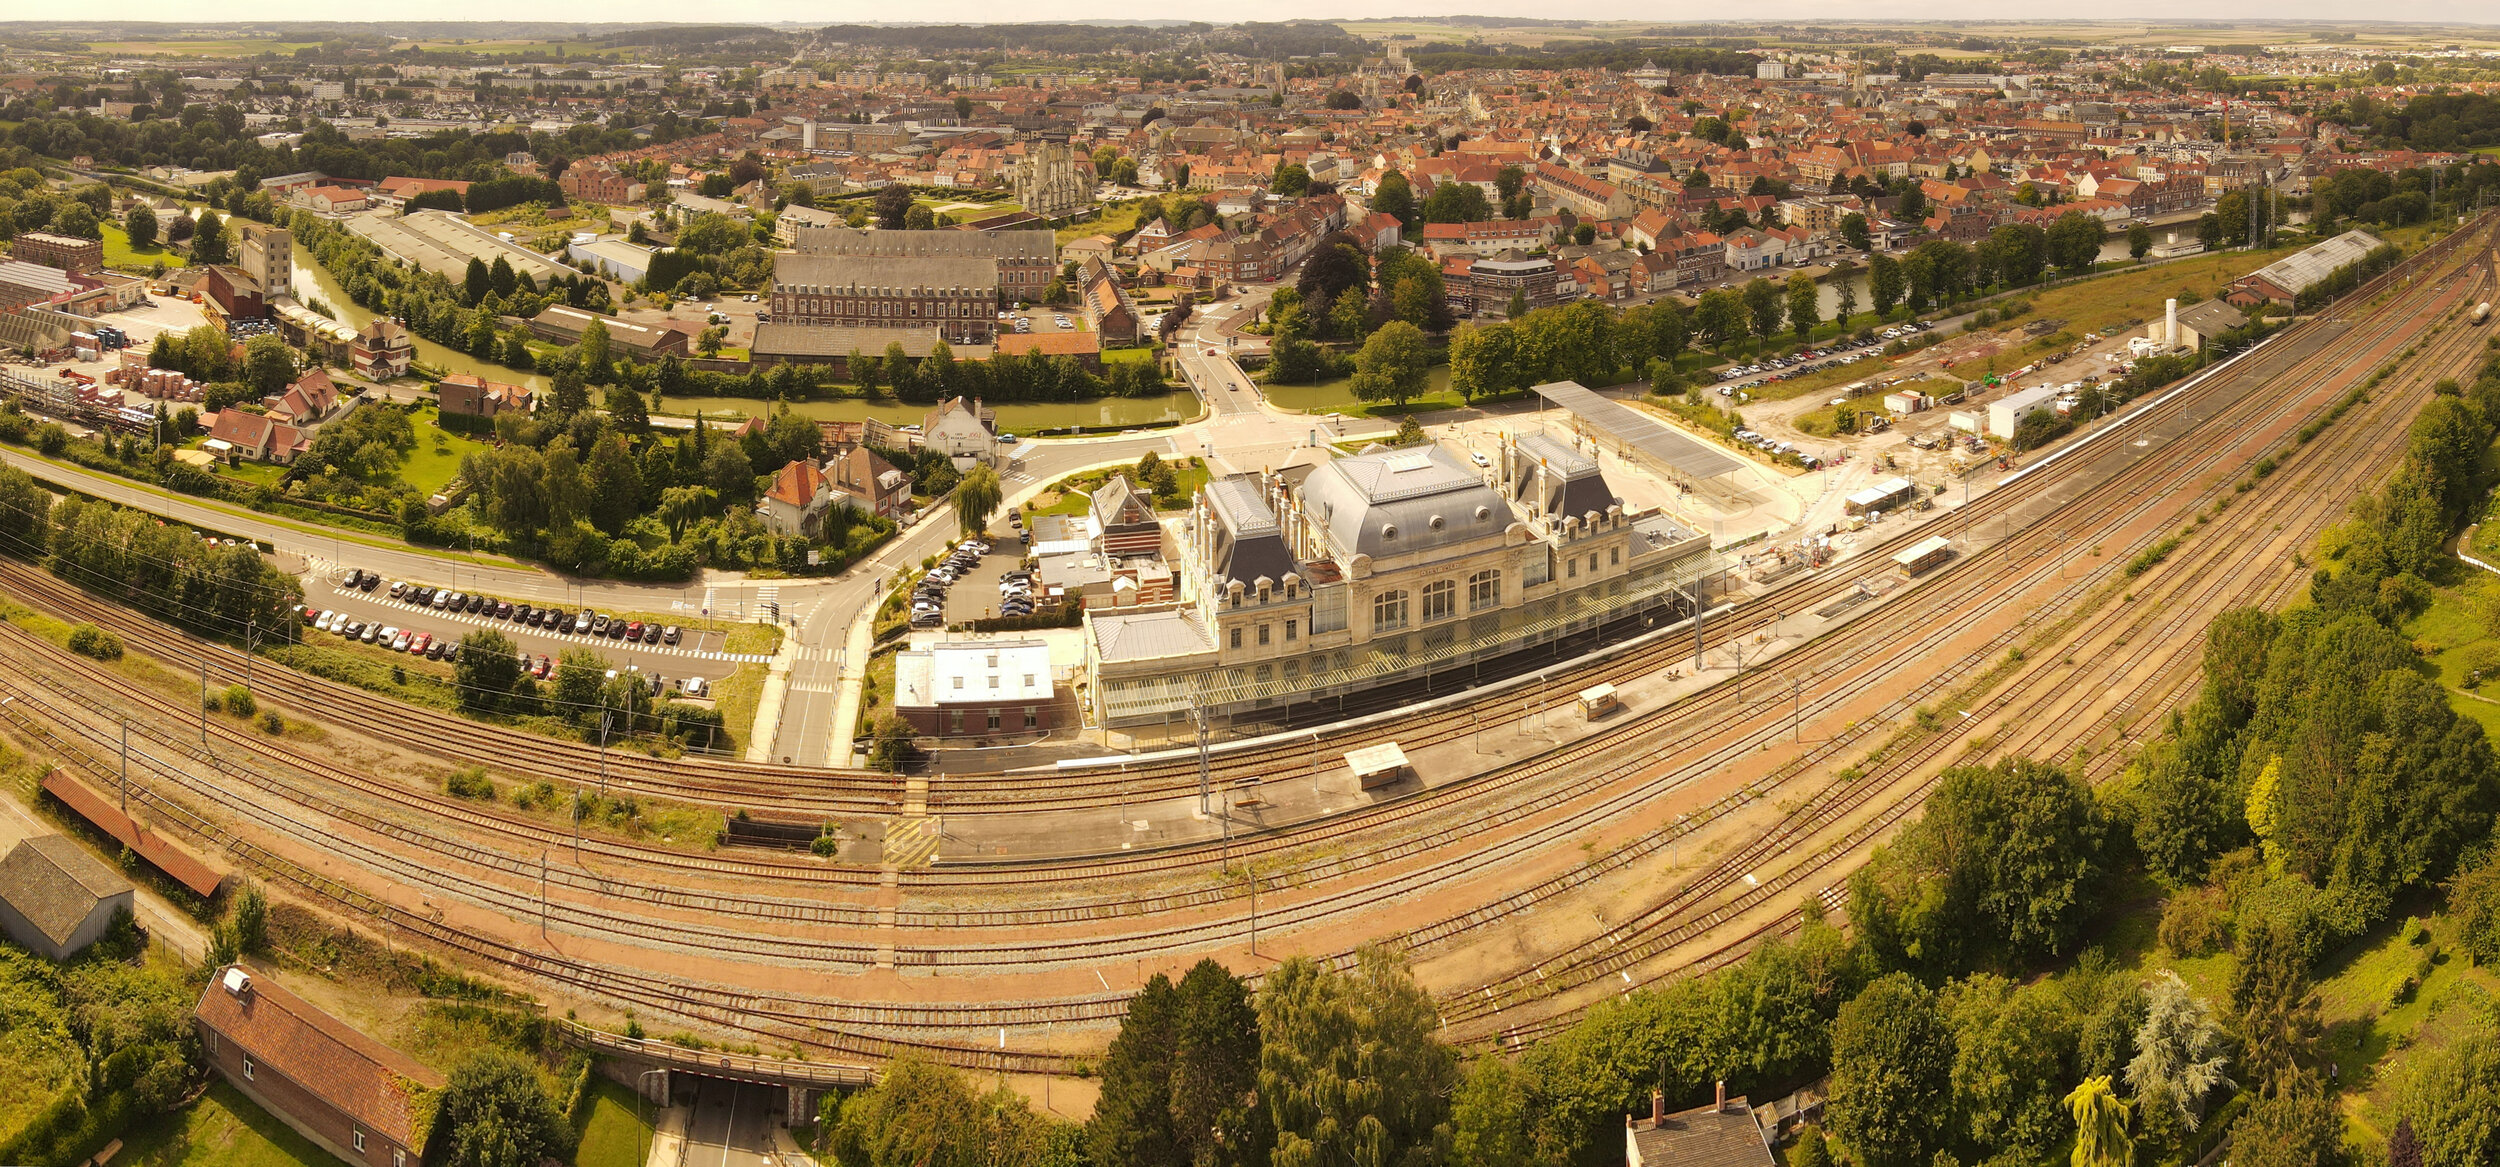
1722,1103
1657,1107
2170,322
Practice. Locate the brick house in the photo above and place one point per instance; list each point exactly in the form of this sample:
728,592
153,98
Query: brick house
467,393
596,181
353,1096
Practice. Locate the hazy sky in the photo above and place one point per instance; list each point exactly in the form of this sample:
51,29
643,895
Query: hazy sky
715,11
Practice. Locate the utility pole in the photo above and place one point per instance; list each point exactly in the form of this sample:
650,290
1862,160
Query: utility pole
203,703
1198,721
125,767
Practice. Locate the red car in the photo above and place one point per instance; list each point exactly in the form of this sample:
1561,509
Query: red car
633,631
416,647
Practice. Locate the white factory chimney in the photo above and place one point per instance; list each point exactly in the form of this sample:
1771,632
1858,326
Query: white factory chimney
807,134
2170,322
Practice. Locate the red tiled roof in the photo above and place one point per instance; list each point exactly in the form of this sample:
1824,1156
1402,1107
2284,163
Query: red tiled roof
797,483
285,1034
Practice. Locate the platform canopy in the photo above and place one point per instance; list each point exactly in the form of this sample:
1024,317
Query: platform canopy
1627,427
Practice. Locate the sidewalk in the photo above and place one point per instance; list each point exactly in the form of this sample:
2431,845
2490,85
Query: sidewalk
668,1137
768,703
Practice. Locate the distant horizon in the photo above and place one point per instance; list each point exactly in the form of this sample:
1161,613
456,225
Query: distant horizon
195,13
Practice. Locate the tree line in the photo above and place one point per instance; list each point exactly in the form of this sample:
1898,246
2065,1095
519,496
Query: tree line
220,589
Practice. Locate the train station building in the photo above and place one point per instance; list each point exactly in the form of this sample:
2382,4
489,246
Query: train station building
1384,566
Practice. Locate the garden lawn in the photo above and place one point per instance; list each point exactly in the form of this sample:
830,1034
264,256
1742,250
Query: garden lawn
1338,397
119,255
1129,356
222,1129
432,465
615,1134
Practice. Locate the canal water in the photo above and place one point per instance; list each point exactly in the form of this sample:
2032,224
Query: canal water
313,282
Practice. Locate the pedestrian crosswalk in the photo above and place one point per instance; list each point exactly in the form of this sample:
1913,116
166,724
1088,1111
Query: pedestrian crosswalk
480,620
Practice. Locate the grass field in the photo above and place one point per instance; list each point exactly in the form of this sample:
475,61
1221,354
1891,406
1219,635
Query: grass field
119,255
1109,220
735,696
222,1129
245,47
436,460
614,1135
1338,397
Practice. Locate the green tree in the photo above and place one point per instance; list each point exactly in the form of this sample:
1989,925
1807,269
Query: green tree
1719,316
2006,856
2473,896
2013,1053
1132,1121
1763,307
1805,308
487,672
493,1113
594,355
892,203
77,220
2100,1126
1884,282
1457,202
2074,241
2277,1015
919,218
1853,231
2293,1125
208,241
479,283
1215,1071
268,364
2179,1060
920,1114
1394,365
1483,360
25,514
1393,195
140,224
1892,1067
626,408
2139,240
1349,1068
1291,179
1492,1118
976,499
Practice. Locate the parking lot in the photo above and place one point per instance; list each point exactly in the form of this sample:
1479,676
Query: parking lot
1042,319
414,622
1743,378
966,586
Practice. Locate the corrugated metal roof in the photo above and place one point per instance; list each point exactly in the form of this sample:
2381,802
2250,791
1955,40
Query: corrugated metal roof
1682,452
2295,272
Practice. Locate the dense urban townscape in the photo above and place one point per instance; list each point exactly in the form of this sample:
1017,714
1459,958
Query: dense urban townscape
1459,590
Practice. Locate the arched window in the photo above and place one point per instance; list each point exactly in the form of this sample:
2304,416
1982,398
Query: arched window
1389,611
1440,600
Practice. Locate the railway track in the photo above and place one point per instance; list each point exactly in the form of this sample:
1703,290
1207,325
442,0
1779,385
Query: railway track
2162,627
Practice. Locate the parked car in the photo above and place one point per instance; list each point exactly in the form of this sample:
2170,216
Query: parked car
650,634
669,634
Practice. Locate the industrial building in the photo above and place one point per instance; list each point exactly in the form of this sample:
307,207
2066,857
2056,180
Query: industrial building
1382,566
2006,414
2282,281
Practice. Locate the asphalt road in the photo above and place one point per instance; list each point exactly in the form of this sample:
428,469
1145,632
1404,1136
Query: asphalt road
732,1125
